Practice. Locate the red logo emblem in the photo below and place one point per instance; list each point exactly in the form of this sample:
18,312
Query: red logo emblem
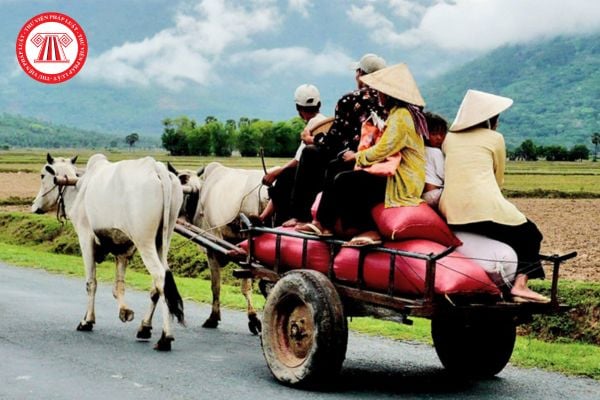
51,47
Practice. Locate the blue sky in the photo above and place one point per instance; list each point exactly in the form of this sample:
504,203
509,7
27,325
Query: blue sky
203,54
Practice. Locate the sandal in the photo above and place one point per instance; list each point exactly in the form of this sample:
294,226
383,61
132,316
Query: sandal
370,238
312,229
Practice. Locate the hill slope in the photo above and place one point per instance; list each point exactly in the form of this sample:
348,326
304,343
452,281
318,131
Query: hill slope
555,85
17,131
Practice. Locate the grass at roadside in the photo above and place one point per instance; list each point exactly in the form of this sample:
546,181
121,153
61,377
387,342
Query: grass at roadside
569,358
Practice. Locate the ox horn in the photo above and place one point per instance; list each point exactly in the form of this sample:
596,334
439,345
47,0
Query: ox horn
74,159
49,159
200,171
171,168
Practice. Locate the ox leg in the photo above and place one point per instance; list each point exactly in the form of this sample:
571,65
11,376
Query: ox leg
125,313
254,323
145,330
157,271
215,285
88,321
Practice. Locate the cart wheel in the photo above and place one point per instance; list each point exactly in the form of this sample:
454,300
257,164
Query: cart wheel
305,332
478,348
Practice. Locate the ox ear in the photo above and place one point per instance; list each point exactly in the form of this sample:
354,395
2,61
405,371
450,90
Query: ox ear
50,170
200,171
171,168
49,159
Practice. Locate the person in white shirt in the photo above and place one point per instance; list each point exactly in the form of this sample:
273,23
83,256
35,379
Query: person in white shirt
281,179
434,165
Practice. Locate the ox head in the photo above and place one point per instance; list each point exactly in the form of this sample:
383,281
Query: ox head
191,183
48,195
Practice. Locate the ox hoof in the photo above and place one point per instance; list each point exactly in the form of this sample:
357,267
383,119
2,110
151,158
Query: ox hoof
126,315
164,343
144,332
85,326
211,323
254,324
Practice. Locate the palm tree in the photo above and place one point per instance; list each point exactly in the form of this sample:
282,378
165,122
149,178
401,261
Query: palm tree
595,142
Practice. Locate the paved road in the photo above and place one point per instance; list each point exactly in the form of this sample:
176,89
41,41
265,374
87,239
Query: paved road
43,357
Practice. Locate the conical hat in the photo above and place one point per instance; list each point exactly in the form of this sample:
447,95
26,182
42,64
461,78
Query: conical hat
397,82
477,107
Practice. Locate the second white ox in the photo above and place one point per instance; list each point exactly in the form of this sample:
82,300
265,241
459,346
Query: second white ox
116,208
222,194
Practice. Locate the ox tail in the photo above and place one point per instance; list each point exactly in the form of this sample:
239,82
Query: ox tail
173,298
170,210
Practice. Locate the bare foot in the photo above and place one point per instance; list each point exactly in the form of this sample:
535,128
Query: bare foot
290,223
528,294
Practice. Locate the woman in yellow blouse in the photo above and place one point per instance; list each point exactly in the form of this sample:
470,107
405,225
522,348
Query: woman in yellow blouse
474,173
353,193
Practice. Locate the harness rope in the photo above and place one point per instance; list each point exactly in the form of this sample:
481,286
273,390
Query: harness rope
259,186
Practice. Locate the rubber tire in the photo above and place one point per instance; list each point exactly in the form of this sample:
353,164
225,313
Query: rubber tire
318,356
479,348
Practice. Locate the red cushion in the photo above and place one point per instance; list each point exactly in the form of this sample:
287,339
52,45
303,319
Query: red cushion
454,273
417,222
317,256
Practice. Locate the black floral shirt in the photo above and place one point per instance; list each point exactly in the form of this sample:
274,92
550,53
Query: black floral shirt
350,112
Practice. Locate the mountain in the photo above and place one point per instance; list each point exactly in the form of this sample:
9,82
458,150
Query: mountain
252,72
17,131
555,85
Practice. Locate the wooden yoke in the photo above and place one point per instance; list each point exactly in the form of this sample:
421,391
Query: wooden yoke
65,180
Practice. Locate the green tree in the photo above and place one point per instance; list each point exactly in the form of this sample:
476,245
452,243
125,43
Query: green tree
131,139
554,153
246,143
527,151
579,152
595,142
210,119
285,142
262,132
220,138
175,137
199,141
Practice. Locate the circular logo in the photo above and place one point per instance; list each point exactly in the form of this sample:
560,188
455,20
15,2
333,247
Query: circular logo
51,47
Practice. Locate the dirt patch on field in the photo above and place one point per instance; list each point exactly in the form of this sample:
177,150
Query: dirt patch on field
567,224
18,184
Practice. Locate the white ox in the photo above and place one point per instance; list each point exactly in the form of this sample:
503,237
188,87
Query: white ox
116,208
223,193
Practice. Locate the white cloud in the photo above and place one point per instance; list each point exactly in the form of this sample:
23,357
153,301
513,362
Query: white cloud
406,8
477,25
292,60
188,51
300,6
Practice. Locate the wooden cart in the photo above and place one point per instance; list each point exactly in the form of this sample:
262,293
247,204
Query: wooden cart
305,331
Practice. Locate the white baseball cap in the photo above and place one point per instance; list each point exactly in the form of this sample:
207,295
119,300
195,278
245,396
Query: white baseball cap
307,95
369,63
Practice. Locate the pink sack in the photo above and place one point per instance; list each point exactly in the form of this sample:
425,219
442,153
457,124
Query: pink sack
317,253
413,222
454,273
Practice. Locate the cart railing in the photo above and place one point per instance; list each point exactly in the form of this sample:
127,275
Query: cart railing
357,295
